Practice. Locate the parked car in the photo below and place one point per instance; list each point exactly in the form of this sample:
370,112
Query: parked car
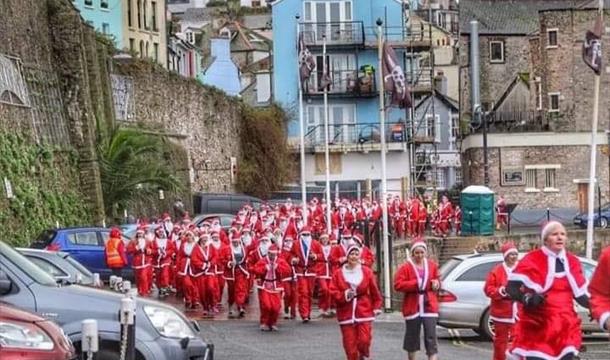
225,219
85,244
129,230
208,203
59,264
463,303
24,335
601,218
163,333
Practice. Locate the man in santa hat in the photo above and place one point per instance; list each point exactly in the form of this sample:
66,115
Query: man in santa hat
503,310
306,252
600,291
457,220
269,271
141,251
501,213
324,275
422,218
219,265
445,212
190,268
163,252
237,275
289,282
338,253
208,284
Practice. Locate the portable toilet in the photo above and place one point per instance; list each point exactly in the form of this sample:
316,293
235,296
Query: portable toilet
478,205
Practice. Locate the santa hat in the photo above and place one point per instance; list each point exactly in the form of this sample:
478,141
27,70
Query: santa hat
166,217
305,230
273,249
419,243
245,230
264,238
115,232
358,238
547,228
346,233
141,229
352,248
235,237
508,248
324,235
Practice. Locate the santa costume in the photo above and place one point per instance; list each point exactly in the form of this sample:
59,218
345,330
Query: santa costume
600,290
190,268
208,283
270,270
289,282
141,251
324,271
503,310
306,252
163,252
236,275
358,300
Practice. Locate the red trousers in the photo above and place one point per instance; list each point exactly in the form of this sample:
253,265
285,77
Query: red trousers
221,288
238,289
290,297
443,227
421,227
412,227
503,334
143,279
324,294
162,276
270,304
305,286
179,283
357,340
208,289
190,286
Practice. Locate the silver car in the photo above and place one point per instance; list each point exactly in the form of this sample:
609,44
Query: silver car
463,303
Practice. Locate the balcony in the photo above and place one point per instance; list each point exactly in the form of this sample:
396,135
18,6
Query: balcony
517,121
338,34
343,83
355,137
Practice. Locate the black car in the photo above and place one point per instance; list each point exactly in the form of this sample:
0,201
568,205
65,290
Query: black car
601,217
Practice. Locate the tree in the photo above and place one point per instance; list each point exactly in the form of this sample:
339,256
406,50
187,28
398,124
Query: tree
134,165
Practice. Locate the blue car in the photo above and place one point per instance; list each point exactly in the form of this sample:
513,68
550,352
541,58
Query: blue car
598,221
85,244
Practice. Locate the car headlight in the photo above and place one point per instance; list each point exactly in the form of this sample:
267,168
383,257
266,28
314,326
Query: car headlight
24,336
168,322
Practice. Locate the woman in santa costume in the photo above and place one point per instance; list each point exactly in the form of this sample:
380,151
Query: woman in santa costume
306,252
289,282
503,310
141,251
208,285
546,281
419,281
190,268
324,275
237,275
358,300
163,252
219,266
600,291
270,270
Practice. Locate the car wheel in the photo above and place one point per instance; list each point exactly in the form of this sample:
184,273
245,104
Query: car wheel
603,223
486,328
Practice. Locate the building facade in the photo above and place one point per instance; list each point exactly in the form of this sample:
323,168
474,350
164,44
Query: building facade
144,27
538,95
106,16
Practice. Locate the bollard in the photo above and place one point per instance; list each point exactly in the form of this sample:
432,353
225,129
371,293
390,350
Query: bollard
97,282
112,282
126,287
127,319
118,286
90,341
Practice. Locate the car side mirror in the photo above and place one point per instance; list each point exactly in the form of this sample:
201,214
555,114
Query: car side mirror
5,283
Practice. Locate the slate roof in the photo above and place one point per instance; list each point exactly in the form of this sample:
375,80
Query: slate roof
199,14
262,21
511,17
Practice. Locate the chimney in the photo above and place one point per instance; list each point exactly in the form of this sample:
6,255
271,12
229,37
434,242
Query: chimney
440,83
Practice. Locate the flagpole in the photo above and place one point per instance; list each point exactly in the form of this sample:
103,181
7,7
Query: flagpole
326,150
384,184
592,163
301,133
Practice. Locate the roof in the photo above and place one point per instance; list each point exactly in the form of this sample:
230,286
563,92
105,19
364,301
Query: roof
511,17
262,21
198,14
451,103
477,189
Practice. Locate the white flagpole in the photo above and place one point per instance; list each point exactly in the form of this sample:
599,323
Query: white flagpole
301,134
384,185
326,152
592,163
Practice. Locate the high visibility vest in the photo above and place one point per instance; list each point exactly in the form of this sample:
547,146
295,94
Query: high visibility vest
113,257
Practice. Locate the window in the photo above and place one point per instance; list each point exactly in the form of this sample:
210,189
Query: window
156,51
496,51
190,37
88,2
153,6
47,267
478,272
141,48
104,4
455,130
132,44
433,127
549,180
530,179
139,5
538,91
551,38
129,22
458,175
145,18
84,238
553,102
105,28
441,179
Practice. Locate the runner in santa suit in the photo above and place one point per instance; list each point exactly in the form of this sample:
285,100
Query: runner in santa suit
419,281
141,251
306,252
260,252
354,290
338,253
270,271
600,291
163,252
190,266
422,218
503,311
289,282
546,281
208,284
237,275
445,215
457,220
220,249
367,258
324,275
176,237
501,213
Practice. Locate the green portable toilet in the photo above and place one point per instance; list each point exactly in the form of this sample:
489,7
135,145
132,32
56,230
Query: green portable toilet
477,204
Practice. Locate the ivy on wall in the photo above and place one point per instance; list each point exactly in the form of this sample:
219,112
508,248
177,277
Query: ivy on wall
44,190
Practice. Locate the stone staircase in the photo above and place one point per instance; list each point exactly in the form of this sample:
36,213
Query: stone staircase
457,246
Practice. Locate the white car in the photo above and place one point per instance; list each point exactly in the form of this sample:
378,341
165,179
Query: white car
463,303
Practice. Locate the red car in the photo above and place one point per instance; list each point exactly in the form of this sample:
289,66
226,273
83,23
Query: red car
24,335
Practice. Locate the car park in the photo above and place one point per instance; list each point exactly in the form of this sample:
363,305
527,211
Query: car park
24,335
162,332
59,264
463,303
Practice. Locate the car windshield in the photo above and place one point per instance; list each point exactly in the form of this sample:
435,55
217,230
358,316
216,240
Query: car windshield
448,267
83,270
26,265
43,239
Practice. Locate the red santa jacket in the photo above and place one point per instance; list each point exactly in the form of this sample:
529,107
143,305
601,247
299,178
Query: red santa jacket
240,266
324,269
211,257
270,273
342,221
362,307
190,260
307,260
600,289
419,299
163,252
286,254
502,308
446,211
367,258
141,253
337,256
221,249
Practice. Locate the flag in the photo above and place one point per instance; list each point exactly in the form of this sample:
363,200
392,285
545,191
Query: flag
394,79
592,47
307,63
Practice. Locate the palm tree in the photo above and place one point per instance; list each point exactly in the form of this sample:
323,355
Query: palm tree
134,165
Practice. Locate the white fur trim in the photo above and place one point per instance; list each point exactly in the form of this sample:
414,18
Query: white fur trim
602,320
540,354
510,251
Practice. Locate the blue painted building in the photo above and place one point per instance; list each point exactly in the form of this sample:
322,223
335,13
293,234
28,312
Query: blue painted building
222,72
350,29
106,16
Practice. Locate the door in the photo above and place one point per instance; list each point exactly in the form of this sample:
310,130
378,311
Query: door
88,249
331,19
583,196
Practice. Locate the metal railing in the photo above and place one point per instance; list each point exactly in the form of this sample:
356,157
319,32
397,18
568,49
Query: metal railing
337,33
421,76
360,134
517,121
343,82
